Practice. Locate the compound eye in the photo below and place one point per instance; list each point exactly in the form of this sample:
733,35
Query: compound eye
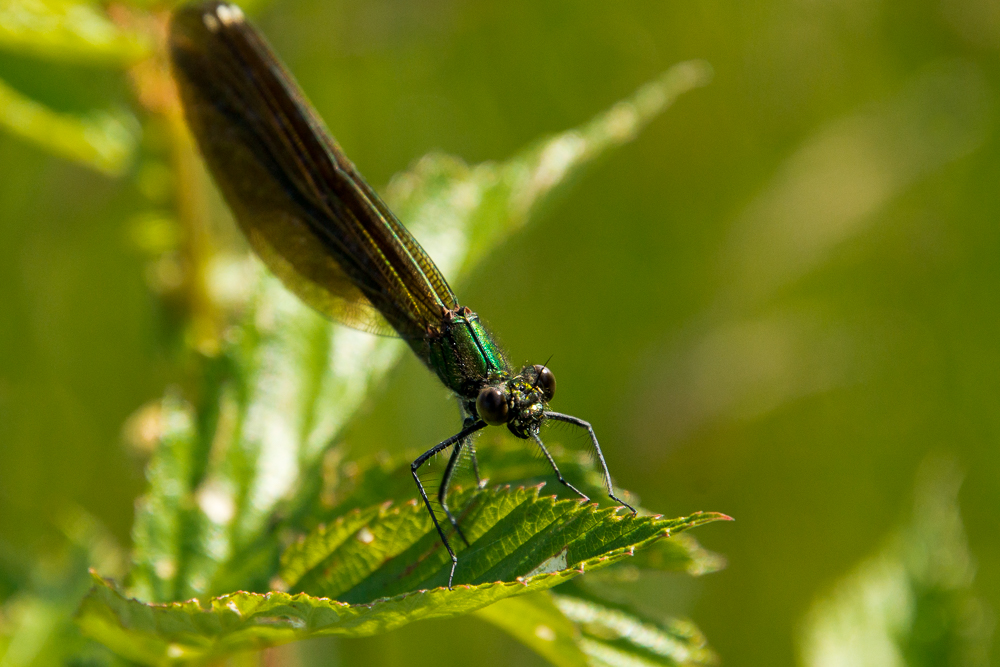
546,381
492,406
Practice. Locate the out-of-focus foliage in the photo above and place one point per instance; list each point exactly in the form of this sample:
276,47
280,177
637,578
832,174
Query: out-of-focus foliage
613,636
513,536
775,303
68,30
911,603
102,140
36,615
573,627
75,32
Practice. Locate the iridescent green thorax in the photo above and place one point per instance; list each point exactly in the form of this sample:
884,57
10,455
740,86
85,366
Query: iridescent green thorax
467,359
464,355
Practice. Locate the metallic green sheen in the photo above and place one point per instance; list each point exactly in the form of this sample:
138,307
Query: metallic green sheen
465,356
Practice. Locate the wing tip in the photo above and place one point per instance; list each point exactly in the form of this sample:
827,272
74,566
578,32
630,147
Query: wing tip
214,16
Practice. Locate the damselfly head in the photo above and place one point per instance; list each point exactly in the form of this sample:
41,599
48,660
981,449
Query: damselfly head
518,402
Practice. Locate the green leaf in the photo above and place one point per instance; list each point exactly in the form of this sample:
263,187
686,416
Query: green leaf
101,140
442,194
679,554
912,602
511,534
78,33
168,513
387,567
537,622
67,30
380,477
573,630
247,467
37,621
614,636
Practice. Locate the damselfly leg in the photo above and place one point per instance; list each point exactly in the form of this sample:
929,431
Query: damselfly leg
415,466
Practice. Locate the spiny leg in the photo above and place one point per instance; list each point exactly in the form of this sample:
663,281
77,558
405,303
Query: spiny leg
552,462
469,420
480,482
443,489
597,447
420,460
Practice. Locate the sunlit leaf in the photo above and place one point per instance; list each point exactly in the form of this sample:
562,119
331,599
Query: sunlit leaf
377,478
680,554
912,603
67,30
512,534
101,140
380,477
614,636
571,630
154,632
441,193
37,621
537,622
387,567
168,511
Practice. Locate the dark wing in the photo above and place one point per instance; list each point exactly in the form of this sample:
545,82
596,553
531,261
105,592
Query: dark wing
306,210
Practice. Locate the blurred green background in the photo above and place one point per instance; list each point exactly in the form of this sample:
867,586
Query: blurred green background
775,303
